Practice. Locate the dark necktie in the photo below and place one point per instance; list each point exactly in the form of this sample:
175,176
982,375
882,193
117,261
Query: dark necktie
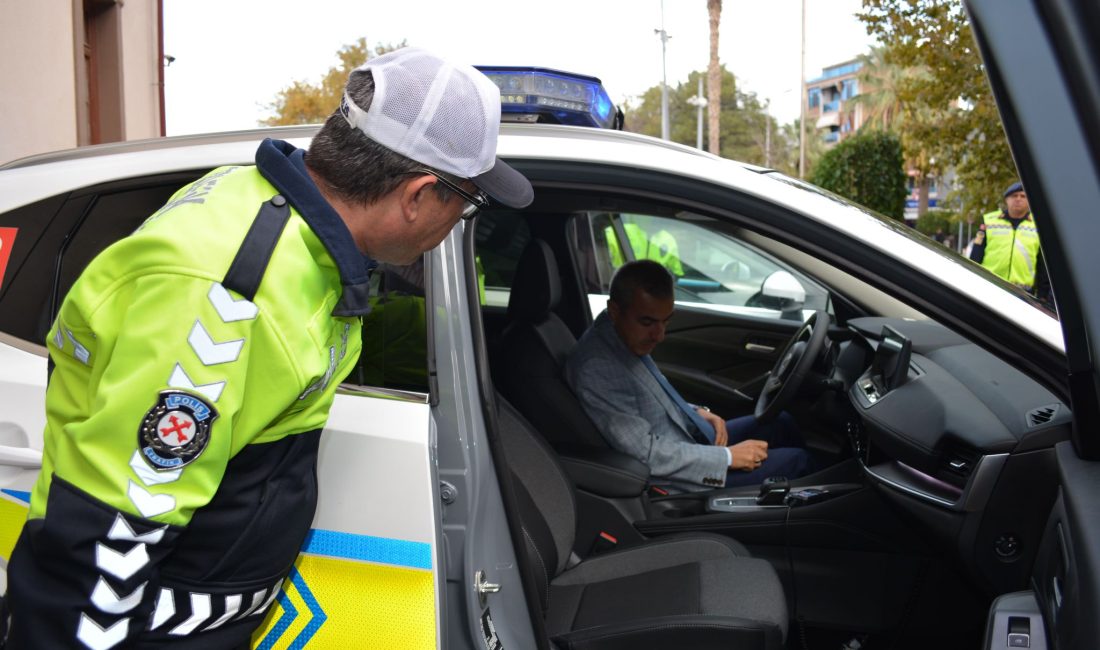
702,431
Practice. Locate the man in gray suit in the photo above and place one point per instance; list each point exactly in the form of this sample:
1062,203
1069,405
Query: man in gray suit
642,415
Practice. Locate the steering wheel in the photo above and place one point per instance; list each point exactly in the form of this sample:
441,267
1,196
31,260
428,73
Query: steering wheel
790,370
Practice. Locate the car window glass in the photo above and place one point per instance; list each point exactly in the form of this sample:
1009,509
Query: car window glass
111,216
25,279
499,241
395,332
712,270
88,221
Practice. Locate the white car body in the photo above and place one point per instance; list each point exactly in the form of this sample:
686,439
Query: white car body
380,466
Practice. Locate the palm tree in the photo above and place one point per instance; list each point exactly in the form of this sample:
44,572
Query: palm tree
882,86
714,80
879,83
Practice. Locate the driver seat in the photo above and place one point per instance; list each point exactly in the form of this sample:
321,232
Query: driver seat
533,349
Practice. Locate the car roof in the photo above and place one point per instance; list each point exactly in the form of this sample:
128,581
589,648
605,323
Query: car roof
165,143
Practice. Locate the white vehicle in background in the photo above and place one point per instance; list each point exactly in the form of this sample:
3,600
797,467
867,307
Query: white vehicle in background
960,457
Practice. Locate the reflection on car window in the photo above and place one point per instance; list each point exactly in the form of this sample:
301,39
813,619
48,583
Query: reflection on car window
395,332
499,241
710,268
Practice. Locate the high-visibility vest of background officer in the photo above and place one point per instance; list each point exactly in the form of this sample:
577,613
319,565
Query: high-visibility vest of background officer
1007,242
660,248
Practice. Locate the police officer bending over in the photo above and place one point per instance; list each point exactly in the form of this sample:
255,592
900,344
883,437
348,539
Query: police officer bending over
196,360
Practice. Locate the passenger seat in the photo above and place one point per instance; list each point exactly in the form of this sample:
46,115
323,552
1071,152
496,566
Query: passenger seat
697,590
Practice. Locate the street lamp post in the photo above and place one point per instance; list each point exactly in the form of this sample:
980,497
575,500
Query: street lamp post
802,109
664,81
700,102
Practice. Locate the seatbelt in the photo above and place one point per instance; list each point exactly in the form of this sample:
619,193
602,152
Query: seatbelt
247,269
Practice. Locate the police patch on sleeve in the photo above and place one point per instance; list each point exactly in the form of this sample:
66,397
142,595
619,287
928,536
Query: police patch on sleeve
176,430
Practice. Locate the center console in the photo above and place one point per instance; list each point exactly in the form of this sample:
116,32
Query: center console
737,507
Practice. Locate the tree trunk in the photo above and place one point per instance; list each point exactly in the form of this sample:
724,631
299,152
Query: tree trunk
922,197
714,80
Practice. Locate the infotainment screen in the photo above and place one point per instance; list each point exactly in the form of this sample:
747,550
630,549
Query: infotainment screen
890,368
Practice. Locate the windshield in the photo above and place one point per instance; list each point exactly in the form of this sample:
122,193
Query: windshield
915,236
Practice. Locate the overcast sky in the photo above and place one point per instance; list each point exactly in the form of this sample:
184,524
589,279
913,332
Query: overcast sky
233,56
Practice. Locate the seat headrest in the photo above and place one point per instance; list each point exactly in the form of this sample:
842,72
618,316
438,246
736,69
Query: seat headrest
536,289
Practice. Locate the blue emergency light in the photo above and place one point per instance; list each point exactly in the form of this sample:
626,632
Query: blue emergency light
544,95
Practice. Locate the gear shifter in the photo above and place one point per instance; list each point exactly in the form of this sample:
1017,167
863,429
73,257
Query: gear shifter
773,491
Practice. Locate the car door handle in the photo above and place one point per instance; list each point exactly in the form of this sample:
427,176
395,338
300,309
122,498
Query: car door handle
757,347
23,457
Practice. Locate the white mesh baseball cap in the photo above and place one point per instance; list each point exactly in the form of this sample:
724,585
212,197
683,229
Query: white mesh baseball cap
443,115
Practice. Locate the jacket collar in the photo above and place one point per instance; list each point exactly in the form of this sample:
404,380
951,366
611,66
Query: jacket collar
283,165
1026,217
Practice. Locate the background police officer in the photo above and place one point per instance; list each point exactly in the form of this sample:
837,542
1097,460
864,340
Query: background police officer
1007,244
196,360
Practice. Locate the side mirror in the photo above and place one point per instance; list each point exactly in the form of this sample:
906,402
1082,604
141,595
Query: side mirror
784,292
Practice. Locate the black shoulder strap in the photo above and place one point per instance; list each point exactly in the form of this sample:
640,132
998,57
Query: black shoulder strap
247,270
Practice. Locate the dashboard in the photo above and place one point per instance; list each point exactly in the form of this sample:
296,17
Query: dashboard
955,437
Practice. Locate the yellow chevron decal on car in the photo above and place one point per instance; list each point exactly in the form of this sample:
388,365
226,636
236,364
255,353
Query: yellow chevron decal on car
13,514
354,591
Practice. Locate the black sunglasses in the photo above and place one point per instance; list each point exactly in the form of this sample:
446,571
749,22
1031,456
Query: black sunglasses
474,202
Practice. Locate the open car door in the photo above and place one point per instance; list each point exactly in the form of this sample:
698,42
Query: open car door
1043,62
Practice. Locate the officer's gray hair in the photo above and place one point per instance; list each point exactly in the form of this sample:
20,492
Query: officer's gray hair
352,166
647,275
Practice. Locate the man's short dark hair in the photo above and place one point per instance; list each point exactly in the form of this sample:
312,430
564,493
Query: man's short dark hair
352,166
647,275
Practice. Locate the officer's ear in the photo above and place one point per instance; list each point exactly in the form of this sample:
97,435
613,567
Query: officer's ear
415,195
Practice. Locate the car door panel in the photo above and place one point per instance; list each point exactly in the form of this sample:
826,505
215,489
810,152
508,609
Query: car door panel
1067,569
1044,67
369,568
716,359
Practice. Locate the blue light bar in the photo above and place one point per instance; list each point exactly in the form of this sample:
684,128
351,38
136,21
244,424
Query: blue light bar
544,95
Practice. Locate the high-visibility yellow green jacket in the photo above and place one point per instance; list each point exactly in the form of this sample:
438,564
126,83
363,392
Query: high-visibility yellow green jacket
661,247
192,377
1011,252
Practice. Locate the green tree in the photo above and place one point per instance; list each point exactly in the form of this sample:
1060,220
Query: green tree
303,102
943,221
785,157
961,128
867,168
743,120
880,83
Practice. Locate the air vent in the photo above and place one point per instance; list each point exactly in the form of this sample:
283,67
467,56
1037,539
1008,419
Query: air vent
1042,415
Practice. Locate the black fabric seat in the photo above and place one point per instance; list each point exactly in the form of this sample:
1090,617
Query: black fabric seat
695,590
532,353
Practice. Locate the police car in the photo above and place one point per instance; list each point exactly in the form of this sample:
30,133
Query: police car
464,502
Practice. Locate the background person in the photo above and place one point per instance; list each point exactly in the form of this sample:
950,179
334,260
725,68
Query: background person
642,415
195,363
1007,244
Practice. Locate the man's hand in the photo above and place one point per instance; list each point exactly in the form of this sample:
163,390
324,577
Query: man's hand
721,436
748,455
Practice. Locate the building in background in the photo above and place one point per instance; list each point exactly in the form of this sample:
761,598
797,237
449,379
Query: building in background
827,102
79,72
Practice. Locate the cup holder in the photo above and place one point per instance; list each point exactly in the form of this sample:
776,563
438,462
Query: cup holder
680,508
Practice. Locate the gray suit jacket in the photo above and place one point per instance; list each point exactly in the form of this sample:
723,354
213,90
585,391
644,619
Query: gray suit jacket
636,415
